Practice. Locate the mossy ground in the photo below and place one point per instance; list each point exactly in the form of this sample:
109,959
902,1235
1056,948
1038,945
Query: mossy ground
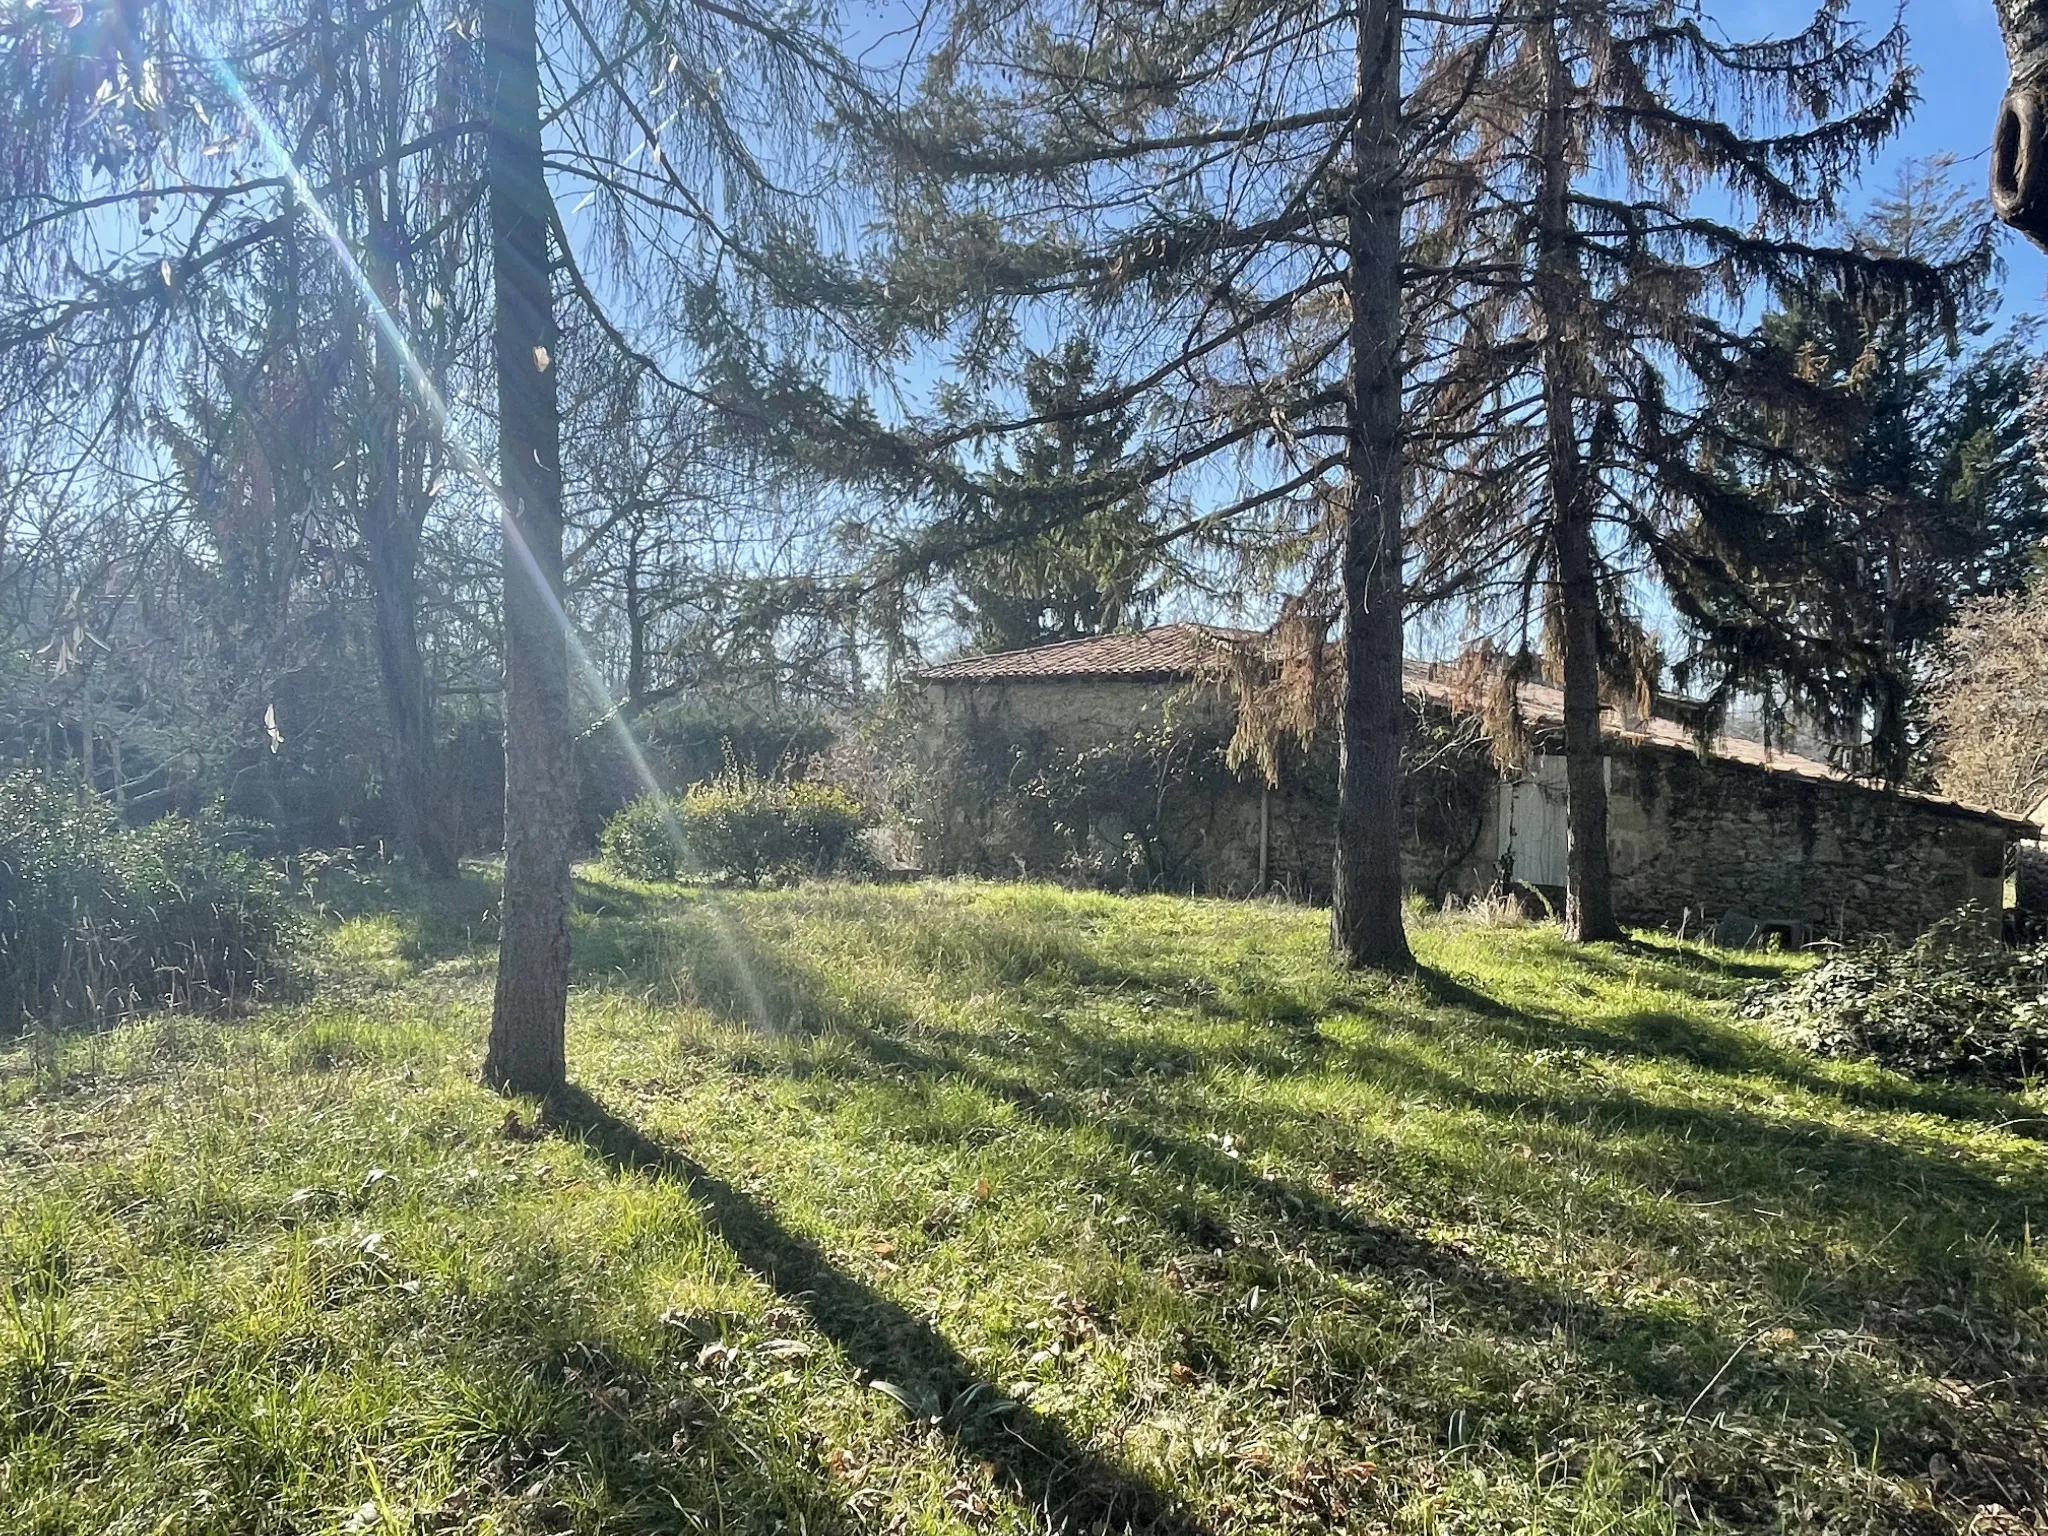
963,1207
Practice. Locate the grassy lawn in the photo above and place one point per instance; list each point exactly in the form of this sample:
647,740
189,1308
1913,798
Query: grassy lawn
966,1207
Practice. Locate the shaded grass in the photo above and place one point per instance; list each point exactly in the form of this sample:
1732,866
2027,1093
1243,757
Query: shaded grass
999,1208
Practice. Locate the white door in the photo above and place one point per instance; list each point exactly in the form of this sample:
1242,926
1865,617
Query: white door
1533,822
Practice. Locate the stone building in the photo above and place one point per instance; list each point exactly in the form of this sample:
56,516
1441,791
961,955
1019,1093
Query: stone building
1104,761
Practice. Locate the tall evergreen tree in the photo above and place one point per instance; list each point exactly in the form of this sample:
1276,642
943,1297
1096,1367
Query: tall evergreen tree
1213,192
1591,273
1864,470
1088,566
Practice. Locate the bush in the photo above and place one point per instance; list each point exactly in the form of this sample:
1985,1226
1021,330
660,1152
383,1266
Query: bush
1956,1003
741,826
98,920
689,743
640,841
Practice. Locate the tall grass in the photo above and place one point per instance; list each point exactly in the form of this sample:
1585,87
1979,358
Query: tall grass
978,1210
99,921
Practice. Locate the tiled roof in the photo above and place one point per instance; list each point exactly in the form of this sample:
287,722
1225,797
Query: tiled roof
1170,651
1184,652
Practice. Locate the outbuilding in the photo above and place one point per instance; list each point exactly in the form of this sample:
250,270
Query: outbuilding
1105,761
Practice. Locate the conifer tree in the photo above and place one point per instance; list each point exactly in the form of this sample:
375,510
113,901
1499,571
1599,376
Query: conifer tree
1863,471
1592,271
1212,191
1093,567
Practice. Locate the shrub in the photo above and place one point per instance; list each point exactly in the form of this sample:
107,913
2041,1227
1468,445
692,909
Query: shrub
746,827
640,841
98,920
741,826
687,743
1954,1003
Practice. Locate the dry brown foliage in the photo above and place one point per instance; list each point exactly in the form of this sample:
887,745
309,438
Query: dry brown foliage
1990,703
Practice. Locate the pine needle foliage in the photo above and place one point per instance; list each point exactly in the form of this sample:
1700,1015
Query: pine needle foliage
1095,567
1866,471
1213,193
1618,183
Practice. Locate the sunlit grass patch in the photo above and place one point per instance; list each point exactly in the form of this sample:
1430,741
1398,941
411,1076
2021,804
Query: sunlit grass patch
939,1207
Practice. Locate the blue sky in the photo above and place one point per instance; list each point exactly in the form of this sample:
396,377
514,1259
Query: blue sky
1961,60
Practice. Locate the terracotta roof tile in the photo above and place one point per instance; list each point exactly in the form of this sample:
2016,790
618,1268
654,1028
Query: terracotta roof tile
1171,650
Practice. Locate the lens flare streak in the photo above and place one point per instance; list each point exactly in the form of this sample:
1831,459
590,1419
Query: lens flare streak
434,405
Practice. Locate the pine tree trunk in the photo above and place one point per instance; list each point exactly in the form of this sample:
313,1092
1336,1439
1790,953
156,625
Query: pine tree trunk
1588,882
417,827
1365,911
2019,143
526,1052
391,539
1588,889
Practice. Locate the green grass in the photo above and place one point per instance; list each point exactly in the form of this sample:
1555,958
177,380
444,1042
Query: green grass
977,1208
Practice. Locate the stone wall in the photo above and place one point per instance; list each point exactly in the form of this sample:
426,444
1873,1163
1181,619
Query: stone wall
1123,783
1709,837
1126,784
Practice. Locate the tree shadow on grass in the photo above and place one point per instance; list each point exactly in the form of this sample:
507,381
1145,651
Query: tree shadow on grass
1663,1035
1673,955
1654,1356
556,1414
1212,1200
728,972
446,919
1879,1185
800,1002
1053,1473
436,919
1043,1067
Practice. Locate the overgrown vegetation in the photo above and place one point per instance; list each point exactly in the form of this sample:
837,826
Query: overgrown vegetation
969,1208
1956,1002
643,841
744,826
98,920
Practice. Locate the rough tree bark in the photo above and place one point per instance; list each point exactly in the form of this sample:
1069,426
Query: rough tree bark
1365,909
1588,893
526,1052
2019,143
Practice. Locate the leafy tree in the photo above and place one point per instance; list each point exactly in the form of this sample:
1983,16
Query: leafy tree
702,566
128,219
